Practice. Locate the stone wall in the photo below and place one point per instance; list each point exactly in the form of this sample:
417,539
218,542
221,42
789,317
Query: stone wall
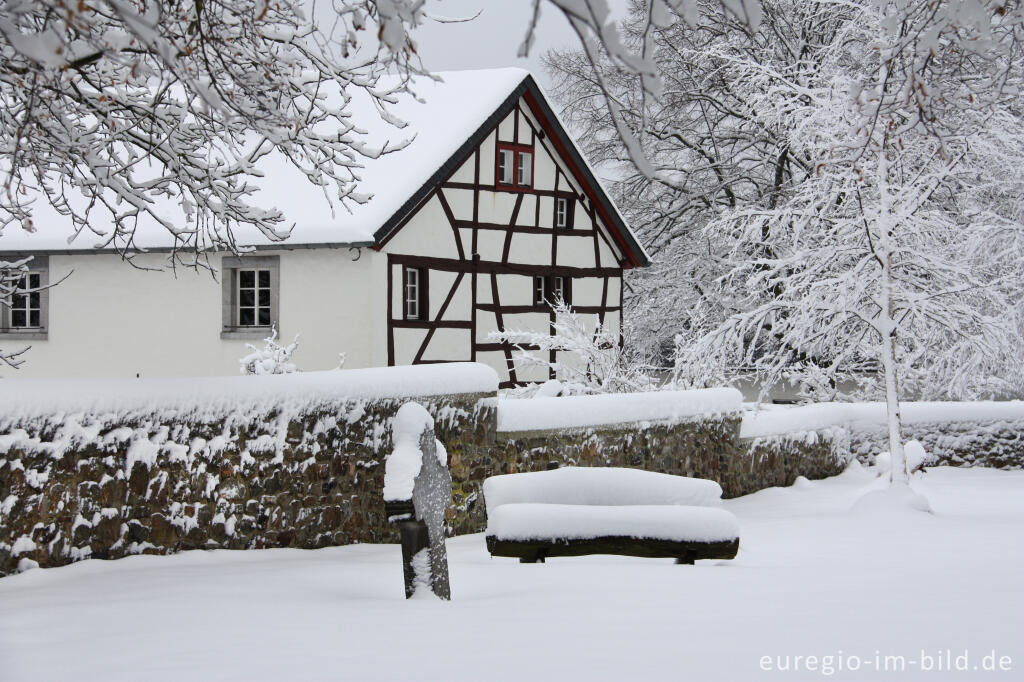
708,448
997,443
296,470
108,485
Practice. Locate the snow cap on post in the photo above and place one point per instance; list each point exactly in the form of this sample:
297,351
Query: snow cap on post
403,464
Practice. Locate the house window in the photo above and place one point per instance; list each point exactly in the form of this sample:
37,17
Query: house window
515,166
26,312
524,169
563,214
26,303
505,163
414,298
550,289
559,289
251,287
253,297
540,290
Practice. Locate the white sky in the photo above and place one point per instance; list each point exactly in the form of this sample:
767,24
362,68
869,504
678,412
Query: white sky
493,38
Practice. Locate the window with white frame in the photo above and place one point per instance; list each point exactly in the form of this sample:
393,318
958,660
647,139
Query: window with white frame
563,216
25,314
559,289
540,291
524,169
414,293
506,160
251,286
550,289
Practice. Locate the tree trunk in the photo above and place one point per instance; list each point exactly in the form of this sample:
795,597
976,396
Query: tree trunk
898,474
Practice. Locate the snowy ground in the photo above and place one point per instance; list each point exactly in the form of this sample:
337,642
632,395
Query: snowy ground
813,578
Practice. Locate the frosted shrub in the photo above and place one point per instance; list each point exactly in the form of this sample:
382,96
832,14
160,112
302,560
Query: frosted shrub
273,358
597,364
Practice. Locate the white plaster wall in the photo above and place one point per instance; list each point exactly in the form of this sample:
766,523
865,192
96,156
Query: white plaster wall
461,202
586,291
497,207
540,322
448,344
524,130
535,249
487,161
428,233
490,244
486,322
529,372
465,171
515,289
109,319
543,169
461,306
577,252
527,215
506,128
495,359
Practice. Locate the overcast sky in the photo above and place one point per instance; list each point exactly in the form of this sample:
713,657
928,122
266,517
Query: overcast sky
493,38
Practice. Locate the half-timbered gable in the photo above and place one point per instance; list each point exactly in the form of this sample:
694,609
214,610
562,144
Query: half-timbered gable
488,215
513,221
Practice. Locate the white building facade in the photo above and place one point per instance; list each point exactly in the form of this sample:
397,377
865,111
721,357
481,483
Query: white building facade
498,222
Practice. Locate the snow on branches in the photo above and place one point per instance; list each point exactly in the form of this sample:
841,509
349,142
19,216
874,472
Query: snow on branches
116,112
592,360
273,358
12,283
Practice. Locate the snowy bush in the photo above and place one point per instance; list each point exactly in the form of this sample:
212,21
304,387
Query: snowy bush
598,363
272,359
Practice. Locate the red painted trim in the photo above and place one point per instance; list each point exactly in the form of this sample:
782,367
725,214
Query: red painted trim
516,149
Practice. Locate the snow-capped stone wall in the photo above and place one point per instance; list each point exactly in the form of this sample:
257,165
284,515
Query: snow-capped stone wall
106,469
981,433
110,469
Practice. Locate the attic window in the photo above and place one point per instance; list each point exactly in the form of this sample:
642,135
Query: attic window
515,166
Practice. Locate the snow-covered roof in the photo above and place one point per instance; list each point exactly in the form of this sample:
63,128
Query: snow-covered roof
444,121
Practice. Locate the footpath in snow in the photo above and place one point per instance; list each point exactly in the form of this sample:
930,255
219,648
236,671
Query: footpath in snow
813,579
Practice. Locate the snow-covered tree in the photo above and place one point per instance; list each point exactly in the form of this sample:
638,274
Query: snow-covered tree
119,112
12,283
902,250
273,358
591,358
709,147
714,143
114,111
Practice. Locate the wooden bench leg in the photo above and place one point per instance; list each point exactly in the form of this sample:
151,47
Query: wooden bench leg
536,557
687,559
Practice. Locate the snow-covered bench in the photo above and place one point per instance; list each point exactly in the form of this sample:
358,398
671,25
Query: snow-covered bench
576,511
